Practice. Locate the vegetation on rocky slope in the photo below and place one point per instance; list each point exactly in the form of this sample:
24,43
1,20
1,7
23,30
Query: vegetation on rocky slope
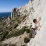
11,31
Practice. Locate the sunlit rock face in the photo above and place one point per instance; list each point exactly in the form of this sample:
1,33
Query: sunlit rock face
40,11
33,9
36,9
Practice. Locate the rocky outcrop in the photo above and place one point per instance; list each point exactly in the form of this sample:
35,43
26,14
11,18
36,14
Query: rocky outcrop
15,12
40,38
35,9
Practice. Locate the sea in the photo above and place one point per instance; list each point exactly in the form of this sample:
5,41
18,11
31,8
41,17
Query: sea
4,14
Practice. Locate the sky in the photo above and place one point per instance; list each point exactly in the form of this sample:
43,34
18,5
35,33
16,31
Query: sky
8,5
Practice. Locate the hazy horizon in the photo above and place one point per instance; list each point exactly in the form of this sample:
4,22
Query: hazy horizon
8,5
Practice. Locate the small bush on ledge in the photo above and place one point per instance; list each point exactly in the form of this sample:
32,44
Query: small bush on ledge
30,35
26,40
15,26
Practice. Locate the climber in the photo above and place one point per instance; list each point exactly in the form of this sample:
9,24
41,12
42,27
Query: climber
35,26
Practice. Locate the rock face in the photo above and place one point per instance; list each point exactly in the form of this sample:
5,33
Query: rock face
35,9
14,13
40,11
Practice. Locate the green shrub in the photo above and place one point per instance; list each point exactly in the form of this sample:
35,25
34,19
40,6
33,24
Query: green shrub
16,33
5,33
23,45
27,30
3,44
19,32
3,36
10,29
19,21
25,27
1,30
15,25
26,40
30,35
24,17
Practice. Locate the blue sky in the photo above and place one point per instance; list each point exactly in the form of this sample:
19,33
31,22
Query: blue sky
8,5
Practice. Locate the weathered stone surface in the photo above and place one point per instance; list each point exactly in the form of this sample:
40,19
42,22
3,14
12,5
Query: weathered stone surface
40,11
34,9
15,12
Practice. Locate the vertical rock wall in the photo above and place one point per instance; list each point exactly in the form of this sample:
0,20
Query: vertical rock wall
40,11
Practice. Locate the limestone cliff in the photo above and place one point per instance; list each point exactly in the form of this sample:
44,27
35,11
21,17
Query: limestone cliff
40,11
35,9
14,13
